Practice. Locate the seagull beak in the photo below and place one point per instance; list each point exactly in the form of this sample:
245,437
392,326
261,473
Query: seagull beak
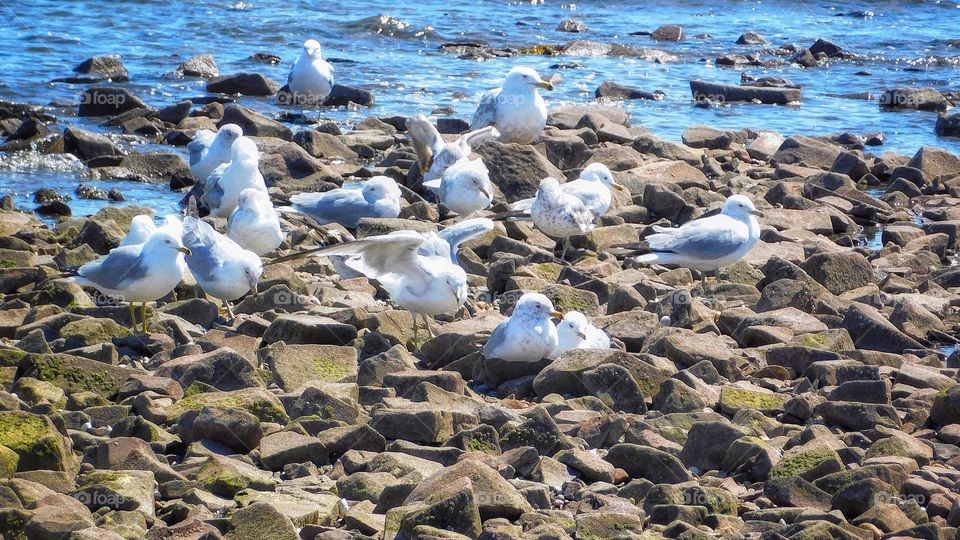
486,193
582,334
545,85
253,291
618,187
185,250
756,213
556,315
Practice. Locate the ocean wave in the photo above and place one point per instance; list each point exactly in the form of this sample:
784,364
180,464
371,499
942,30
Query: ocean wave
385,25
31,160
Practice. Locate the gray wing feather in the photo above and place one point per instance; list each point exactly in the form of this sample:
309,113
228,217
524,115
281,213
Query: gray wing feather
496,340
700,239
120,267
213,193
343,206
201,142
202,241
461,232
486,113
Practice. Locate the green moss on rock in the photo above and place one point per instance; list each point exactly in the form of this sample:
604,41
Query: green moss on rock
803,461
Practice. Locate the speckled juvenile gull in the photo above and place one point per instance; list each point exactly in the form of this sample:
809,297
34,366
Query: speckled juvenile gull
708,243
415,269
221,267
311,78
465,187
378,197
254,224
209,150
516,109
224,185
558,214
528,335
592,188
138,273
434,154
575,331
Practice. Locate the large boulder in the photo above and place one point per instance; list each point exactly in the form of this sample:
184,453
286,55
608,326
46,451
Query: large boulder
516,168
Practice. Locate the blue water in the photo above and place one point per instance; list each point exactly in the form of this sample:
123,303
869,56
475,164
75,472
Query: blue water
903,43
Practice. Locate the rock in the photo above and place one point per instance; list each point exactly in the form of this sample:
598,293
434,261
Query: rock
948,125
247,84
496,498
308,329
707,444
722,93
946,407
570,116
807,463
167,168
324,145
751,38
572,25
257,401
924,99
516,168
839,272
86,145
106,67
668,32
869,329
261,521
286,447
55,516
615,386
751,458
612,90
253,124
223,369
295,365
645,462
117,490
75,373
707,137
107,101
200,65
452,508
934,162
858,416
343,96
37,443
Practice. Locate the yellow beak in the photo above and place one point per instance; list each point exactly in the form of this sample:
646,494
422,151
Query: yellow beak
185,250
618,187
556,314
581,334
545,85
756,213
253,291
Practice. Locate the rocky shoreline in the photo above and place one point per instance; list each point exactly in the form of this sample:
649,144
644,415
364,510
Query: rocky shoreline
803,394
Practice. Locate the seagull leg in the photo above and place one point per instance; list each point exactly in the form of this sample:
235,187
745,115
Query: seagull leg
229,309
133,316
426,321
563,252
416,331
703,282
143,316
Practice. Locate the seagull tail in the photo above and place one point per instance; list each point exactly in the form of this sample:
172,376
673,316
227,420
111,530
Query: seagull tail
476,137
433,184
523,205
647,258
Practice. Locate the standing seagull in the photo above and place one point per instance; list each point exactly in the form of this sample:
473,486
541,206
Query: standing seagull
254,224
223,189
559,214
435,155
528,335
209,150
138,273
221,267
710,243
576,332
465,187
592,188
311,78
516,109
378,197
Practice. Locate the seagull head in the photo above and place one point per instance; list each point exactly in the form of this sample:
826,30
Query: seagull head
536,306
549,188
311,48
740,207
524,77
575,323
380,187
230,133
600,172
163,240
244,149
252,270
456,280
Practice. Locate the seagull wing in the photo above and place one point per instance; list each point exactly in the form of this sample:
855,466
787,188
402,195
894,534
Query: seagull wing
459,233
344,206
496,340
381,255
708,238
486,113
201,142
426,140
117,270
205,259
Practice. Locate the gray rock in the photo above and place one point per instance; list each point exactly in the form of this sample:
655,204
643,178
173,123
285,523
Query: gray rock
247,84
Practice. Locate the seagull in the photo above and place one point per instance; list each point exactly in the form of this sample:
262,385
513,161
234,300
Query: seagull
710,243
224,185
141,227
254,224
516,109
221,267
465,187
209,150
378,197
435,155
528,335
559,214
418,270
311,78
138,273
592,188
576,332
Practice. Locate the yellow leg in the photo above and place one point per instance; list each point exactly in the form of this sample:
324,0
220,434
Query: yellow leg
143,315
133,317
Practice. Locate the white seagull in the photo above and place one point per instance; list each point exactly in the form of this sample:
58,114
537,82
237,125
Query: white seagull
138,273
378,197
576,332
221,267
465,187
517,109
528,335
709,243
592,188
254,224
209,150
311,78
222,194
